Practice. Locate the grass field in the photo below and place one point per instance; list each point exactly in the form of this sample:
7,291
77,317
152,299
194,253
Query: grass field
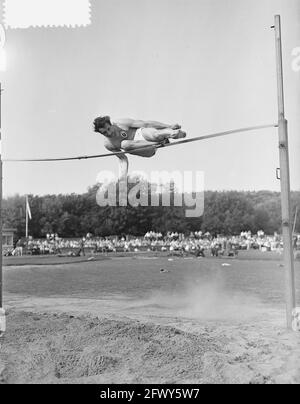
149,319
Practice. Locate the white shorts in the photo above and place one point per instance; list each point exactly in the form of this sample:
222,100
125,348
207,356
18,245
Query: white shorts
139,134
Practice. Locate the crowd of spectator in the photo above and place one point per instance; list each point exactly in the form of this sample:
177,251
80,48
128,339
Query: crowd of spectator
197,243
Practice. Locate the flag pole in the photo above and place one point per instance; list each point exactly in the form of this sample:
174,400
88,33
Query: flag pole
26,210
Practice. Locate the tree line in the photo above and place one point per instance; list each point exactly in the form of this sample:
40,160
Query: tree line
75,215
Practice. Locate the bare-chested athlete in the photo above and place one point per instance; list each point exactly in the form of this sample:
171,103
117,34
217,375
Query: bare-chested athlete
132,135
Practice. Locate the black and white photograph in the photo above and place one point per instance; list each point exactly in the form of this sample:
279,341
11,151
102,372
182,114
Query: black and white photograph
149,195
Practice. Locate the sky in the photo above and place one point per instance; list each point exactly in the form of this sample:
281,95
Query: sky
206,64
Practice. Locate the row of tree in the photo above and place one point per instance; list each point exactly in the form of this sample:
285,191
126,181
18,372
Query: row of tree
74,215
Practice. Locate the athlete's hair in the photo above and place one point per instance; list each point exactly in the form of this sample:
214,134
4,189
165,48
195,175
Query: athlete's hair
100,122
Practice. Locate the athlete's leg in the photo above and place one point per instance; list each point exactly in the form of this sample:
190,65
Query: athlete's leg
159,135
138,147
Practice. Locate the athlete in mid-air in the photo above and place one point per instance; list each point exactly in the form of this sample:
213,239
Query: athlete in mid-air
135,137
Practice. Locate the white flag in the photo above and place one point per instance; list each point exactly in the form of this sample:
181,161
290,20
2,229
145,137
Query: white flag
28,211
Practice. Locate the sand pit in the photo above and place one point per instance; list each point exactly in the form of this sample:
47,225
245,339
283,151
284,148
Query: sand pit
63,344
200,324
52,348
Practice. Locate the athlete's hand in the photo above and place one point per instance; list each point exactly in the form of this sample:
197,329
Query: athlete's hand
176,126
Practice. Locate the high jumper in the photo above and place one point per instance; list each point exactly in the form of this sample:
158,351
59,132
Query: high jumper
135,137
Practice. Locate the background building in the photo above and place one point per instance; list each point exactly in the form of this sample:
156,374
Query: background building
8,239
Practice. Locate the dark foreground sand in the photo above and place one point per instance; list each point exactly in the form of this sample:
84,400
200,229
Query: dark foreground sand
55,341
125,321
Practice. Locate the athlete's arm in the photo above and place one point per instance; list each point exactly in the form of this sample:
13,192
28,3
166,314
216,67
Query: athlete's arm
124,123
111,147
123,160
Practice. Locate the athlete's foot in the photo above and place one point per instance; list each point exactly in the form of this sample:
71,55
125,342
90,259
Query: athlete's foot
162,143
178,134
165,141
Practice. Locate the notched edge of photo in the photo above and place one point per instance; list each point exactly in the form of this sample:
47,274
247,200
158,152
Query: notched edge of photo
22,14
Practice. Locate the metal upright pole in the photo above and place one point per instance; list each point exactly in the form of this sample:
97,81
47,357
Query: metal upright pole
285,183
1,224
2,312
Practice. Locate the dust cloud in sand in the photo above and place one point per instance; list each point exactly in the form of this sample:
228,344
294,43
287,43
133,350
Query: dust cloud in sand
208,300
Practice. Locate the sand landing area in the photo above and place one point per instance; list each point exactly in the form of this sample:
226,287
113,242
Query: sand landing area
123,321
63,344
